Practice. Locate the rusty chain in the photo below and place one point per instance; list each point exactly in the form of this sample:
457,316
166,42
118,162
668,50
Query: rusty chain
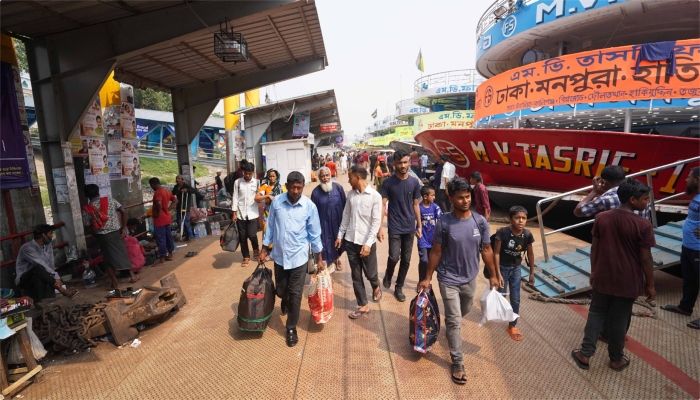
67,328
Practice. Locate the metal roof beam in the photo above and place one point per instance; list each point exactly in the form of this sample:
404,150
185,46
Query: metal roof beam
308,31
208,59
281,39
170,67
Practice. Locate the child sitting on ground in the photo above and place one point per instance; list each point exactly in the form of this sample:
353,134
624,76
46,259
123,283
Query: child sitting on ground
429,215
508,247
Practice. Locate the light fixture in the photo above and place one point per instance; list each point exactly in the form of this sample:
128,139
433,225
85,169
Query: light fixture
499,12
230,46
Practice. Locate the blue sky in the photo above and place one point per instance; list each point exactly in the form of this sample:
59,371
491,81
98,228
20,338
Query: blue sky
372,48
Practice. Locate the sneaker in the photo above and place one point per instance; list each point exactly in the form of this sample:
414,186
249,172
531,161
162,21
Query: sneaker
292,337
398,293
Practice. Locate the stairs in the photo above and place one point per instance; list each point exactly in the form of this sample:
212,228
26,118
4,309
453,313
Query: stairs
569,273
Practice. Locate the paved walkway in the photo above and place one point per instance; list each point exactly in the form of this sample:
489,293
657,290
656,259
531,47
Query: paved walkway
199,352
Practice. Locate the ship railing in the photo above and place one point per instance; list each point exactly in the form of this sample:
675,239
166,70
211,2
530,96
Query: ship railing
653,201
447,78
489,18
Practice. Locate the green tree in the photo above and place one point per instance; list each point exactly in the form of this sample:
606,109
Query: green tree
152,100
21,55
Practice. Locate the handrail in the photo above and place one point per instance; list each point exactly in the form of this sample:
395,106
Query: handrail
653,201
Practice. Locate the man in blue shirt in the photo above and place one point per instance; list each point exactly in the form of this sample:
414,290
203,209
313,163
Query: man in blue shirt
292,226
690,252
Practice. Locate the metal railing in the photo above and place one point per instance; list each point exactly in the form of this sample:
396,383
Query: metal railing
653,201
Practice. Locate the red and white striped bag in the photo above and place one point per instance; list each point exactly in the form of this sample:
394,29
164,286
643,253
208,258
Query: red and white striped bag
321,297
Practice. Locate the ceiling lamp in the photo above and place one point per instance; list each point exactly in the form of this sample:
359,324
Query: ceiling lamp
230,46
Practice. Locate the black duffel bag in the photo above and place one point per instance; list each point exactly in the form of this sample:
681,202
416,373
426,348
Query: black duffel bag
257,300
229,240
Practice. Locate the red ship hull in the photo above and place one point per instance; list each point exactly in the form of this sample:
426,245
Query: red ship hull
560,160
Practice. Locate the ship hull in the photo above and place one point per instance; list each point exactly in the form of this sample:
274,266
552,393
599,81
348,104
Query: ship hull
560,160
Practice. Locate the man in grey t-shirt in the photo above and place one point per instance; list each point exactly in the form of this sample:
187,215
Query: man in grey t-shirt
458,239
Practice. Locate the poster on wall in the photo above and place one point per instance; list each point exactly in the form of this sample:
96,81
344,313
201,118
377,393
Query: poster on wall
14,167
112,125
60,185
91,124
114,162
97,155
129,158
301,125
127,117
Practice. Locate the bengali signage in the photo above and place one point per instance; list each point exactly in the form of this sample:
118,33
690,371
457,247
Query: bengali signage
560,159
328,127
527,16
612,74
457,119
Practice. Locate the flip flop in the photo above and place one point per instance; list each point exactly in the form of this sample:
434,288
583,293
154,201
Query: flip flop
460,379
191,254
579,363
72,293
694,324
377,294
357,314
675,309
514,333
625,363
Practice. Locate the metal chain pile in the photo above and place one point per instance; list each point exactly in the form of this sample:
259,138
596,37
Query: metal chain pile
66,329
649,312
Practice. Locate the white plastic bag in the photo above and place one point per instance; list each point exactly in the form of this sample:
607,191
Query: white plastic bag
14,355
495,307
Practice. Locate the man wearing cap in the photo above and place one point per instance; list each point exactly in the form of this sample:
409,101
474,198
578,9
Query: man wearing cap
35,270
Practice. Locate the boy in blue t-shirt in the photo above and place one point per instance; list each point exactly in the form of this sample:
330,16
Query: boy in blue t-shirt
429,215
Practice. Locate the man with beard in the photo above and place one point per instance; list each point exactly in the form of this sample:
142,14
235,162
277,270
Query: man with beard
402,193
293,226
690,252
362,217
329,198
459,238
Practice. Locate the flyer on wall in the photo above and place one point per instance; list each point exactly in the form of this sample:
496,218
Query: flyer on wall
97,153
91,125
127,117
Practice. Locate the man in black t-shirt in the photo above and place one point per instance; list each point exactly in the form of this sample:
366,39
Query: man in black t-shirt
402,193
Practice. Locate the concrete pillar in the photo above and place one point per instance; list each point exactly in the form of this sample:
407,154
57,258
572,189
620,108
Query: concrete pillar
60,102
231,124
189,120
516,123
628,120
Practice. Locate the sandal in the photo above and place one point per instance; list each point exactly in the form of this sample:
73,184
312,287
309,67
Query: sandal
245,262
357,313
514,333
191,254
576,354
338,266
694,324
675,309
619,365
71,293
458,375
377,294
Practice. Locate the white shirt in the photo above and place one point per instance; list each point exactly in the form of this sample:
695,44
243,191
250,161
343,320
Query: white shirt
362,217
448,173
243,200
424,161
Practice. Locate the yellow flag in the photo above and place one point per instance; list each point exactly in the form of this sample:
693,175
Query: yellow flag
419,61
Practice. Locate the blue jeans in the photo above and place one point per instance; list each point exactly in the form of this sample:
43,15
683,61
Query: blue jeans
511,280
164,240
188,226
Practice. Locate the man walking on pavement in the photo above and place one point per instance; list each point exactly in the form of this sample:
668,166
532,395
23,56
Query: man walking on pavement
690,252
460,236
246,212
402,192
362,217
292,226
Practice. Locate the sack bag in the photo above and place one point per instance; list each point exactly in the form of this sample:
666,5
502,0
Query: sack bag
495,307
15,356
198,214
229,240
424,321
321,297
257,300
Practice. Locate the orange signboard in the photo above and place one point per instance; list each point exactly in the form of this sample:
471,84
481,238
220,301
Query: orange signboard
604,75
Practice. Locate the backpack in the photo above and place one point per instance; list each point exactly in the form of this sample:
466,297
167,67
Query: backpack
482,229
424,321
257,300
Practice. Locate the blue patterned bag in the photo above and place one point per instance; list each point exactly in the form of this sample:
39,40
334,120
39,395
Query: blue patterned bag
424,325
